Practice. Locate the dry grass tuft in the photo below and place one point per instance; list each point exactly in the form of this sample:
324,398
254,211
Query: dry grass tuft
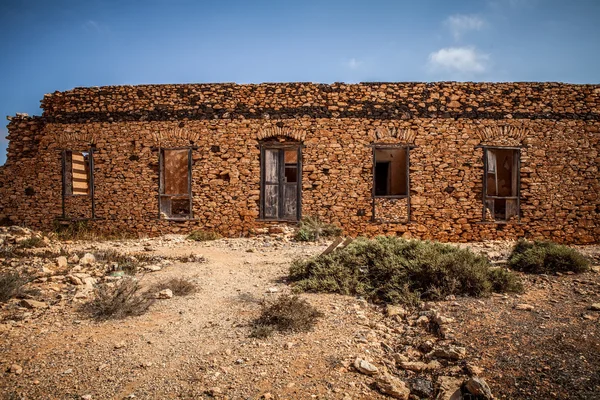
179,286
123,299
286,314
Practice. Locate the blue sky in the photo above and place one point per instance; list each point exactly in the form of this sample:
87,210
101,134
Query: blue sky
57,45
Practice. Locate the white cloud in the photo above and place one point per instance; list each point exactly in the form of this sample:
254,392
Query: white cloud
461,24
458,59
353,63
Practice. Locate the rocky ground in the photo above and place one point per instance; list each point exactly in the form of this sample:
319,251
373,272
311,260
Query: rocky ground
542,344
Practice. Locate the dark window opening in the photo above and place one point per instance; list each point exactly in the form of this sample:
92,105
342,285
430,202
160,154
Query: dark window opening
175,184
390,172
280,191
501,183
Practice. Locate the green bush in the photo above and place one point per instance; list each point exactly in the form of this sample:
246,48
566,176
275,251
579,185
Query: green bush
286,314
546,258
202,236
312,228
395,270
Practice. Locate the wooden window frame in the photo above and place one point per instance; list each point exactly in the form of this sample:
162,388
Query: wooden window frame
161,185
65,189
485,197
281,173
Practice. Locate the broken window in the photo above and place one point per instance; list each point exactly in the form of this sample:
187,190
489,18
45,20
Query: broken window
390,172
175,199
280,189
76,172
501,183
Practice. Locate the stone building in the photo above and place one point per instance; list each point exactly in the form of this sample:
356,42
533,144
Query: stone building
445,161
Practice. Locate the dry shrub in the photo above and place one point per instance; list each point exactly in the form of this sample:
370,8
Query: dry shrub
286,314
203,236
394,270
11,285
123,299
179,286
312,228
32,242
546,258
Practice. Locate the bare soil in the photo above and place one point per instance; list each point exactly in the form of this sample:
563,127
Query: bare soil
199,346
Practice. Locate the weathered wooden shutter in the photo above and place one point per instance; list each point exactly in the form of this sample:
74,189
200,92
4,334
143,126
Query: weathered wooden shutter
271,183
80,173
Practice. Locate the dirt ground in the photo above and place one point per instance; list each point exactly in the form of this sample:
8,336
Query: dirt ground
199,346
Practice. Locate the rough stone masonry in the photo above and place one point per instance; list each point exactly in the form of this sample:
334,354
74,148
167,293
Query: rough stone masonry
446,161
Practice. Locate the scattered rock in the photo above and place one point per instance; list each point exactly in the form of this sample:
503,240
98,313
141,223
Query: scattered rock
87,259
450,353
153,268
120,344
365,367
595,307
422,388
73,280
478,387
31,304
392,386
524,307
15,369
62,262
418,366
74,259
165,294
393,311
449,388
86,397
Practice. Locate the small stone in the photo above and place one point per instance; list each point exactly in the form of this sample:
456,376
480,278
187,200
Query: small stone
449,388
392,311
422,388
524,307
74,259
62,262
87,259
450,353
67,371
120,345
474,369
267,396
86,397
73,280
15,369
392,386
165,294
31,304
153,268
595,307
419,366
365,367
478,387
272,290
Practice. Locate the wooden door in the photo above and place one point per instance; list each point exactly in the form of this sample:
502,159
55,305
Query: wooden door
281,189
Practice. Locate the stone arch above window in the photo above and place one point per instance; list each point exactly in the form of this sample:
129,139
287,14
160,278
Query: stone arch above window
69,139
394,134
173,137
504,135
280,131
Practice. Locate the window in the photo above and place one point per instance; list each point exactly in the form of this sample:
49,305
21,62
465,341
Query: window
501,183
280,188
390,171
76,173
175,199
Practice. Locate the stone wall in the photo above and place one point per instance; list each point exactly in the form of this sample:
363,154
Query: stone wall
556,126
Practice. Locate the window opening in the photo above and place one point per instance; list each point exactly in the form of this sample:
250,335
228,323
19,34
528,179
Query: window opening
175,184
501,183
